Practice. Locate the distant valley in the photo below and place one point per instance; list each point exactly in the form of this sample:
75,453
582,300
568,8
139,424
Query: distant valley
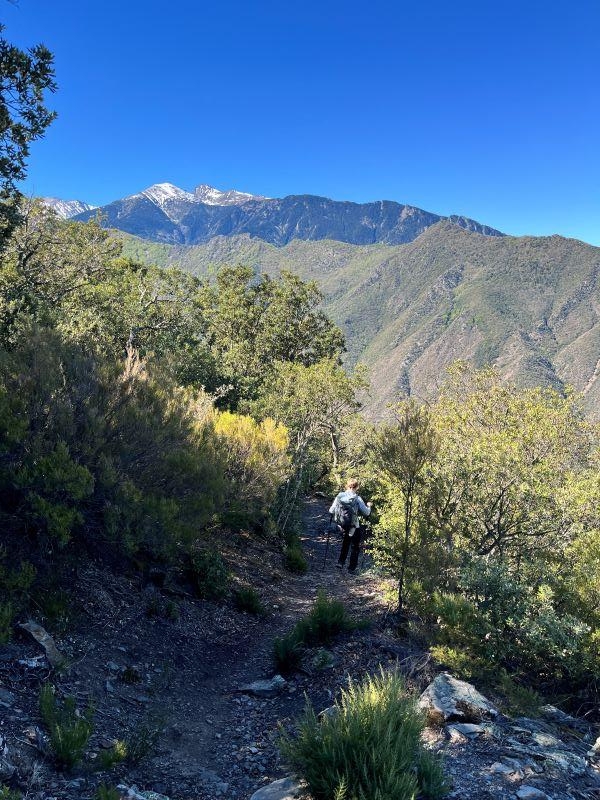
412,291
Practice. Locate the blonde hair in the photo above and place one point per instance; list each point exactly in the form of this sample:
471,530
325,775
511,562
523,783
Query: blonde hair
352,483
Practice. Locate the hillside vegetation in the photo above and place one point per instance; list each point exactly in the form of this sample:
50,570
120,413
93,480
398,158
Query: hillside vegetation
530,305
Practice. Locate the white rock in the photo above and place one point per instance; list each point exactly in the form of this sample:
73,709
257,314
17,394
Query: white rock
449,698
500,769
284,789
265,688
467,729
531,793
595,749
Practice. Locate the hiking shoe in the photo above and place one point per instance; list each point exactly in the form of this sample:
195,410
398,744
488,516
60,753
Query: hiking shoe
351,571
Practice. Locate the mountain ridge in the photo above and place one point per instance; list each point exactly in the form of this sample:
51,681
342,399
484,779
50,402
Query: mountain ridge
528,305
165,213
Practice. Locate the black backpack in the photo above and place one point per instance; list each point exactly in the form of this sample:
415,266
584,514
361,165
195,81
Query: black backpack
345,513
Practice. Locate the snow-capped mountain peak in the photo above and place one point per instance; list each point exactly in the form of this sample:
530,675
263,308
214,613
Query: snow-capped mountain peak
161,193
67,208
214,197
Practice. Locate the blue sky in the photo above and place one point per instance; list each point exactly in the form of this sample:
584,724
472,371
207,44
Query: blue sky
485,109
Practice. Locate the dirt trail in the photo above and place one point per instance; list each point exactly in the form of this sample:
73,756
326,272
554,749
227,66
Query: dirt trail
223,733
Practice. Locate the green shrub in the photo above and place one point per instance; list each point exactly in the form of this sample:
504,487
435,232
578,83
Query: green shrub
295,560
518,699
6,616
369,750
209,574
107,793
287,653
9,794
69,732
172,611
142,740
246,598
325,620
114,755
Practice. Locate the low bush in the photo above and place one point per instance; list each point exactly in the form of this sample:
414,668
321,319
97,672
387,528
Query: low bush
246,598
68,731
9,794
209,574
295,560
6,616
287,653
325,620
107,793
114,755
140,742
518,699
369,750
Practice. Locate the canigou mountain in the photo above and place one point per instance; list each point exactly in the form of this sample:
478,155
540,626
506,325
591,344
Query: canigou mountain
165,213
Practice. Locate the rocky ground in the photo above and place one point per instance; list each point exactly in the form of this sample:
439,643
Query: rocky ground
166,671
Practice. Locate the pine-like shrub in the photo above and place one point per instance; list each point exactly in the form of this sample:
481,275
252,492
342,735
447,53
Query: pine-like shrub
69,731
369,750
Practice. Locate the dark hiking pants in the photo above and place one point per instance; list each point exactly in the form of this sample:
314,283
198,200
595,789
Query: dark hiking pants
354,543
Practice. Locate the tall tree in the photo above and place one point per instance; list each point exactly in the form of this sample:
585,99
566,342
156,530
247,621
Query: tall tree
24,77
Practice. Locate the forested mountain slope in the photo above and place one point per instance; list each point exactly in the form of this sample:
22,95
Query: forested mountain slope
528,304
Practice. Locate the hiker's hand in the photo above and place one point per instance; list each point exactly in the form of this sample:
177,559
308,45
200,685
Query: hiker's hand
370,504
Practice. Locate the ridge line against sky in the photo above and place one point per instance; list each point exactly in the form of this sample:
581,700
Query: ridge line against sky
487,112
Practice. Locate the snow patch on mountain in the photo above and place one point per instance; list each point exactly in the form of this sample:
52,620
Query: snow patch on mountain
161,193
214,197
67,208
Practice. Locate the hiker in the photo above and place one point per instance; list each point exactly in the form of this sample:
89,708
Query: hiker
345,510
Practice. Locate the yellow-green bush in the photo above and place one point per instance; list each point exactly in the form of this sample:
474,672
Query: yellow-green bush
256,464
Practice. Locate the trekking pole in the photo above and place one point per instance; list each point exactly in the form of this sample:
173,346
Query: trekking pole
364,544
328,537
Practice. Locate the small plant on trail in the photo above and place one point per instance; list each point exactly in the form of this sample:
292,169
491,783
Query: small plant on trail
142,740
114,755
325,620
6,615
287,653
172,611
246,598
295,560
68,730
9,794
370,749
107,793
209,574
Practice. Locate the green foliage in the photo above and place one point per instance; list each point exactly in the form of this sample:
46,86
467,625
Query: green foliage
254,324
6,617
141,741
209,574
505,514
256,464
295,560
9,794
287,653
403,453
246,598
369,749
114,755
107,793
519,700
68,731
326,619
26,75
